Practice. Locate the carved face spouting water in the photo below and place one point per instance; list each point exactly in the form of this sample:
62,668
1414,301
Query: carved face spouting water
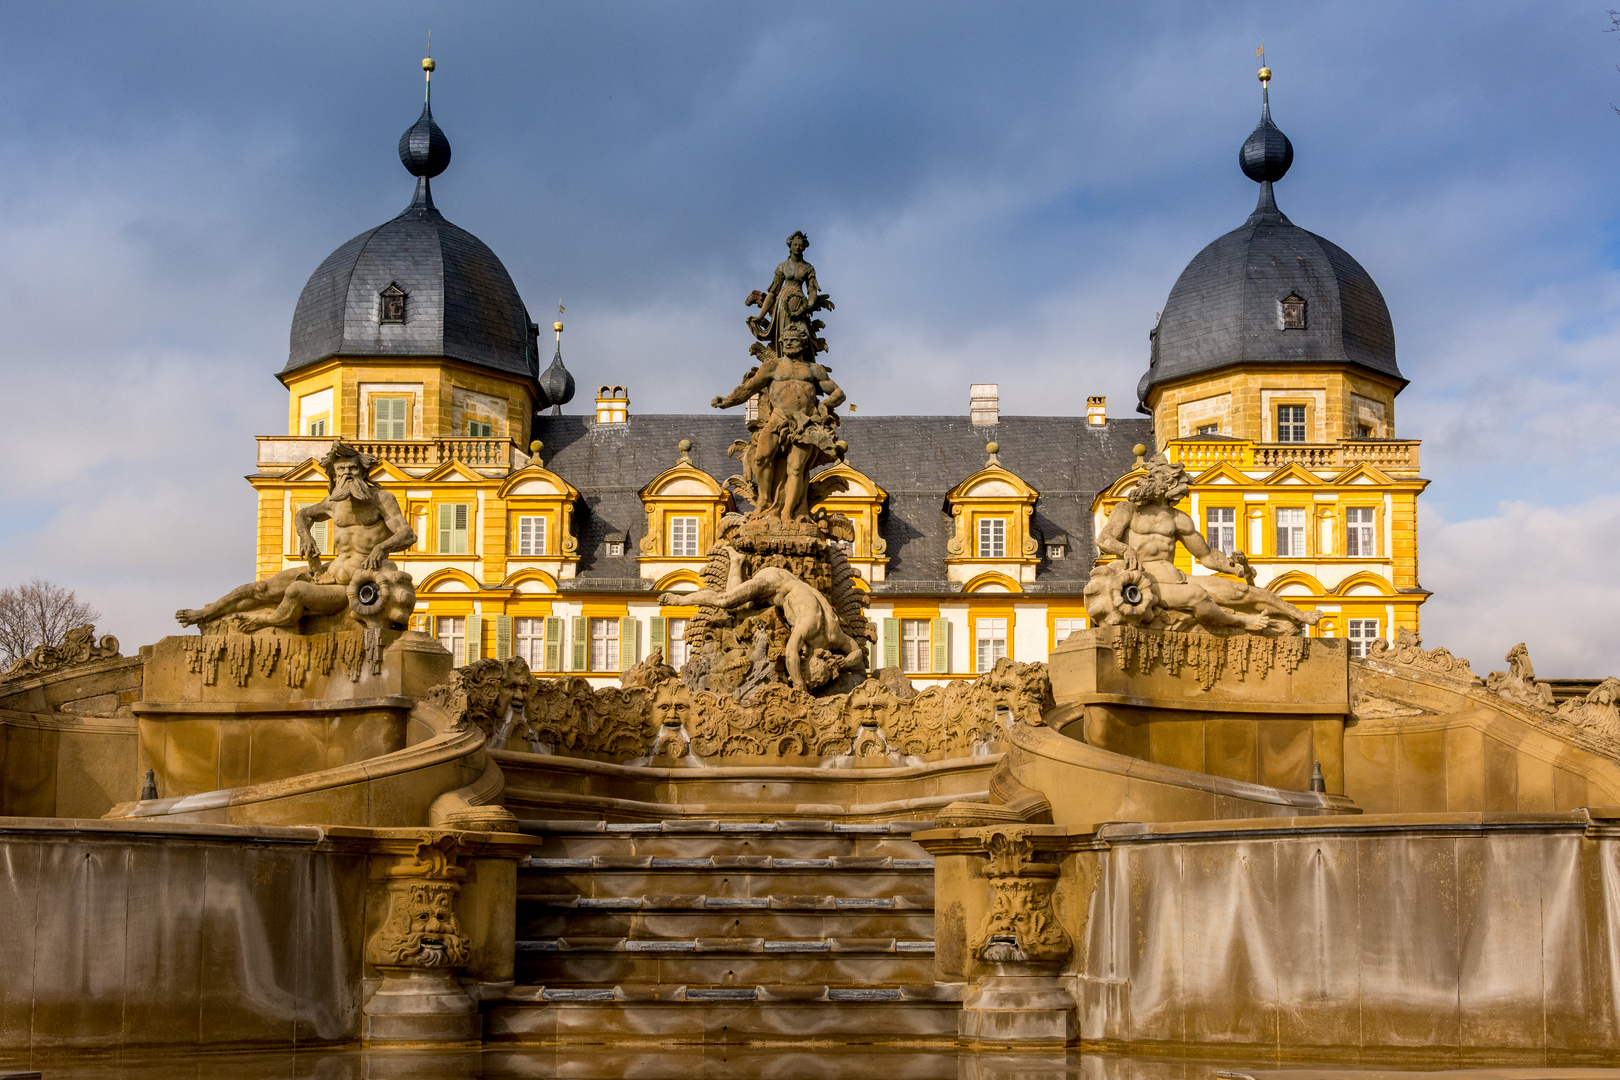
422,929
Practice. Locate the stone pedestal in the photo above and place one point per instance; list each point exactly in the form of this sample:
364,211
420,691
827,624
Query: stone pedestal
416,1005
1245,707
1018,1009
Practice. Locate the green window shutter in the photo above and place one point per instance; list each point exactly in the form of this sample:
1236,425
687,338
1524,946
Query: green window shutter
940,640
629,638
658,635
459,541
891,643
553,644
475,639
503,637
446,519
581,644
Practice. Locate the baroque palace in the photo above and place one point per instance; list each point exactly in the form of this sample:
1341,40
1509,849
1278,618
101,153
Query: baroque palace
548,536
971,732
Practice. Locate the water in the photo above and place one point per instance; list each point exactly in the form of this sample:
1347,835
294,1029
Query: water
726,1063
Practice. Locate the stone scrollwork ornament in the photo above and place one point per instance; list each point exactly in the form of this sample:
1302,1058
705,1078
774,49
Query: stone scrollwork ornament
79,646
1021,929
421,929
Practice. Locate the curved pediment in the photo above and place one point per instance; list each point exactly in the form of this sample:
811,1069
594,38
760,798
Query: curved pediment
684,481
993,482
536,481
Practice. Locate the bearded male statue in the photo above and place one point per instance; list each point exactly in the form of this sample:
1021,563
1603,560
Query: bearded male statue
367,526
1144,588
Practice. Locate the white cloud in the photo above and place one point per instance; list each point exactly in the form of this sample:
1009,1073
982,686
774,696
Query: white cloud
1539,574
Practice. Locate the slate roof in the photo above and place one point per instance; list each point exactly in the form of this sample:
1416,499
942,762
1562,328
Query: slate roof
916,459
460,301
1223,309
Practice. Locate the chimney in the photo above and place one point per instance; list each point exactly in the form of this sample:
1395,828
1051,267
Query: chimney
612,405
984,403
1096,411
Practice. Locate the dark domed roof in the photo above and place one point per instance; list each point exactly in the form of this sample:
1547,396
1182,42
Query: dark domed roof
459,301
1227,306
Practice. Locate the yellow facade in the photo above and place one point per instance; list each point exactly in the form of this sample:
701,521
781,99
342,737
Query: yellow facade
1328,521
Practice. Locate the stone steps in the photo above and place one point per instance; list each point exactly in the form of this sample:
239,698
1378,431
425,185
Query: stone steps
680,930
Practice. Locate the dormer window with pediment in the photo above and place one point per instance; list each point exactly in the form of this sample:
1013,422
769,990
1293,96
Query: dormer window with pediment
684,506
991,545
391,304
540,521
845,491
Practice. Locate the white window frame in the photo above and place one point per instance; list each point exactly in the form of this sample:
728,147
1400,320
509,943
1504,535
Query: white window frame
1289,428
1209,429
529,641
531,535
1062,628
1220,528
992,538
1361,633
604,646
676,651
451,630
1360,532
683,537
1291,543
990,642
916,646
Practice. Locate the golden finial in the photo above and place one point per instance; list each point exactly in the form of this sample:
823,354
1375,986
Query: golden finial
1265,72
557,326
427,67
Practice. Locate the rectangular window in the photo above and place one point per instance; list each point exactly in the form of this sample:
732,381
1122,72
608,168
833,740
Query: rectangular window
453,528
479,429
677,654
1062,628
1363,632
452,634
1291,533
529,641
1364,431
683,537
604,644
317,529
317,429
991,637
1209,429
992,538
916,651
388,419
531,536
1358,532
1290,423
1220,528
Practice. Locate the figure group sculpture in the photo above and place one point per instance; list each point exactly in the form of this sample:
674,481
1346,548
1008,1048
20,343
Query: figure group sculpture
1144,588
796,428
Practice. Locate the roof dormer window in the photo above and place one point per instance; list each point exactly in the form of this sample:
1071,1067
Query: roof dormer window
1291,312
391,304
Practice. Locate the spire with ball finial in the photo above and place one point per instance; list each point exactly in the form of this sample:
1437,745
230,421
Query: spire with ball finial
423,149
556,382
1266,154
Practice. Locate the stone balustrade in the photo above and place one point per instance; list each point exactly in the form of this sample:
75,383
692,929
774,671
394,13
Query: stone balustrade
1391,455
278,453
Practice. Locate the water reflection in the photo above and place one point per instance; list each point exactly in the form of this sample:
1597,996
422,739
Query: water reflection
600,1063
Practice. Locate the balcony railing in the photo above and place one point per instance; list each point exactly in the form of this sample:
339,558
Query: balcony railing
1389,455
285,451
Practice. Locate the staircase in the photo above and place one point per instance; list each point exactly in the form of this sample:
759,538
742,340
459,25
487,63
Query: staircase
710,931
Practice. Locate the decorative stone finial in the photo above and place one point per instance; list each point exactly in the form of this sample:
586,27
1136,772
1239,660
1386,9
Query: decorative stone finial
685,447
1141,452
993,449
534,450
149,789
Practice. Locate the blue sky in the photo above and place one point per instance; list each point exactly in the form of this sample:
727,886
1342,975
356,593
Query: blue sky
994,192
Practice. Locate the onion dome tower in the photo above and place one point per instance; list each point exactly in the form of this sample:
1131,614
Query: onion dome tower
416,286
1265,297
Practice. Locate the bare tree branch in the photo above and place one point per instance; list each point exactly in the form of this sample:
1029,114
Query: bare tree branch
38,613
